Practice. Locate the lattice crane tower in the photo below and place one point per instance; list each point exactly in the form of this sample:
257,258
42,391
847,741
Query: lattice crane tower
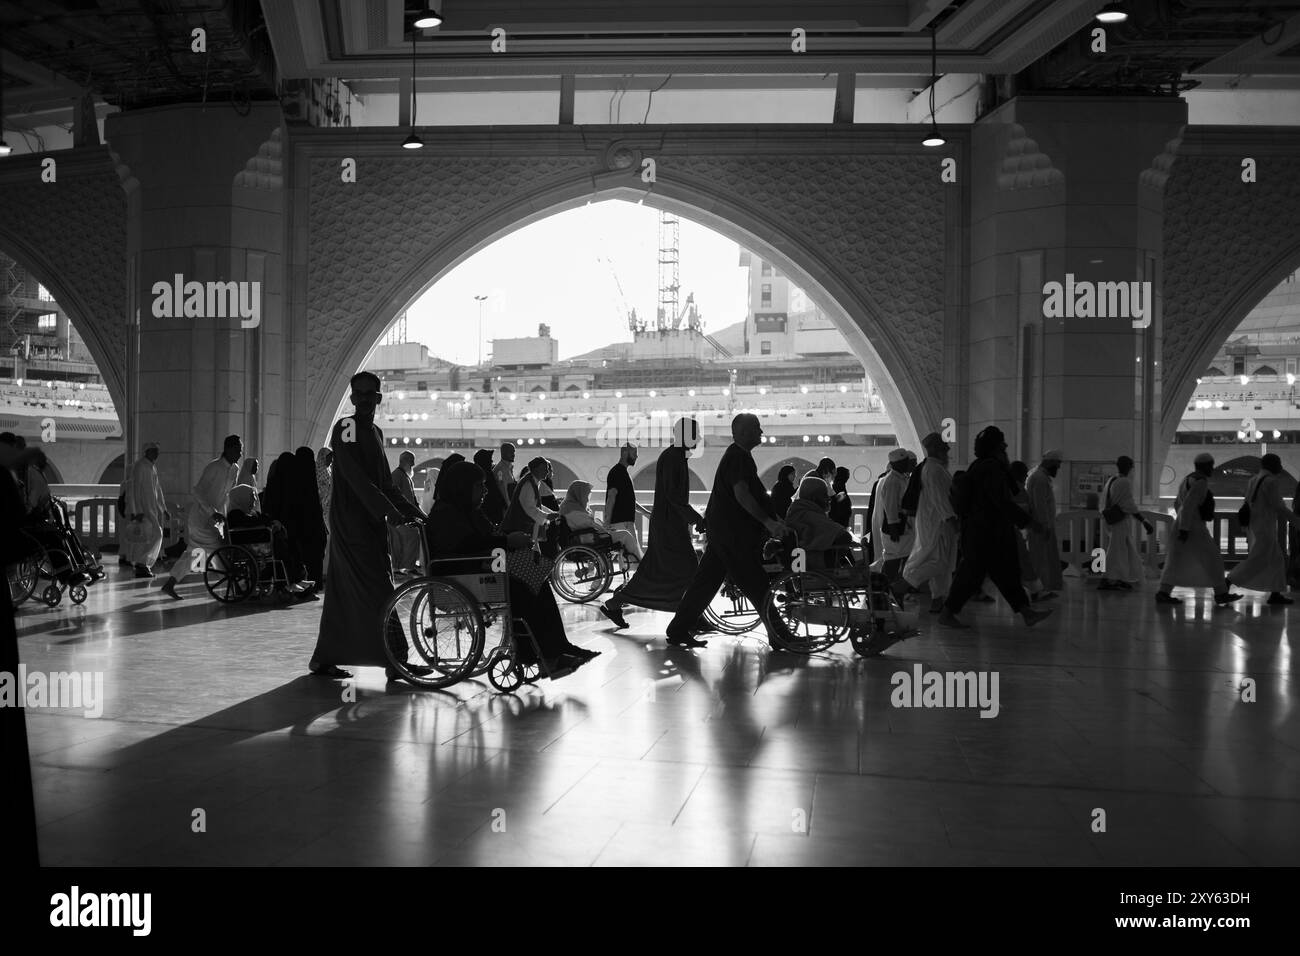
670,261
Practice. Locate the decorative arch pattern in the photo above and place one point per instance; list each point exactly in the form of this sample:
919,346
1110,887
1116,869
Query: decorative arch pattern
857,218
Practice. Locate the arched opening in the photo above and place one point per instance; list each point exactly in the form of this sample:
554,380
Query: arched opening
52,391
861,322
114,473
801,467
1250,410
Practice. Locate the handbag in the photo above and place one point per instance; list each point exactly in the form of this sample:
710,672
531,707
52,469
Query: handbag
529,566
1113,514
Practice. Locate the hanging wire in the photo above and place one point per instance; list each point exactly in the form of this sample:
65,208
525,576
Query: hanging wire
650,99
415,100
934,68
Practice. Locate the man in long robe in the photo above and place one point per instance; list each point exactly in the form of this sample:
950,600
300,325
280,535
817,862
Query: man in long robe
892,532
1265,566
934,552
403,538
360,575
1123,562
1044,546
1194,560
665,572
207,511
146,507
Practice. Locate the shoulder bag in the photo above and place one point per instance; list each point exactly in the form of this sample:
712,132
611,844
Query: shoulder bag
1113,514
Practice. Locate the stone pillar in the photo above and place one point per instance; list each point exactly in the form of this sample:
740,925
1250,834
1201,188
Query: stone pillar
205,203
1068,190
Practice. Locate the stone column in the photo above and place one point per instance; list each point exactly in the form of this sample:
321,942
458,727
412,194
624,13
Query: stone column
1069,190
206,204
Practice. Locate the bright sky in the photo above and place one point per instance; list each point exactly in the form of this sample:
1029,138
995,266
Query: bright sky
561,270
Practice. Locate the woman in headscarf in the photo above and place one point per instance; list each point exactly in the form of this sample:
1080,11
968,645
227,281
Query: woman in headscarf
494,505
308,525
576,510
280,501
783,490
451,459
248,479
841,510
457,527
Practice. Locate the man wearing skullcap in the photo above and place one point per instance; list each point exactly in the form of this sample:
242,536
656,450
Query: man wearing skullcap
1265,566
145,507
892,532
934,552
1194,560
1044,547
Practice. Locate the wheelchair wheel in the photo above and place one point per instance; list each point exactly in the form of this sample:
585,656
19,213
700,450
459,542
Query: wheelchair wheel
529,673
441,626
808,611
730,611
231,574
581,574
52,595
78,593
503,672
23,577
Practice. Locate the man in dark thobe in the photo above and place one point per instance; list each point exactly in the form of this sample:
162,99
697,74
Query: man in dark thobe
361,577
740,518
664,574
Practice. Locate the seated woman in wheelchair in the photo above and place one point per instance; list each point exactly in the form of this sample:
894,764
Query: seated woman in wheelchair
577,516
242,512
818,533
576,510
457,527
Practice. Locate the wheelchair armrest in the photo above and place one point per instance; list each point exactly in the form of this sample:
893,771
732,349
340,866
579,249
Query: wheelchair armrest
460,562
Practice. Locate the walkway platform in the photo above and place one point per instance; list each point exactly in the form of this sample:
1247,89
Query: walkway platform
659,756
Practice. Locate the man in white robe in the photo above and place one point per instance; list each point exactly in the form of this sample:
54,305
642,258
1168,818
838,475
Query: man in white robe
892,532
934,552
206,513
1194,560
145,510
1044,547
1123,562
1265,566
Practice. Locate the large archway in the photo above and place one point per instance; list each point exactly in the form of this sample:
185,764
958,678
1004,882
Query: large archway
860,221
777,249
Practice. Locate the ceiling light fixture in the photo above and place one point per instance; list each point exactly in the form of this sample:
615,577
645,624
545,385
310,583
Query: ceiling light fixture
1111,13
428,20
412,141
934,139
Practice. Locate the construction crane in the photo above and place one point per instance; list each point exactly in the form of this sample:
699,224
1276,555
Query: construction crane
634,322
670,236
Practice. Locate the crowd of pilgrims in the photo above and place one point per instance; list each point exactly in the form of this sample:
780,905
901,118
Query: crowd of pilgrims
341,513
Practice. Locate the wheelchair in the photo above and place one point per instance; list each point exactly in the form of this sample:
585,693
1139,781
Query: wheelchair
815,608
446,619
843,600
587,564
59,559
245,565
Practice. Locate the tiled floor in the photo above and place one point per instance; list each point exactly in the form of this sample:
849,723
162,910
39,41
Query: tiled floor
652,756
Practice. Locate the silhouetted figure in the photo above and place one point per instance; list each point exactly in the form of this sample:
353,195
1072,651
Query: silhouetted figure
783,490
